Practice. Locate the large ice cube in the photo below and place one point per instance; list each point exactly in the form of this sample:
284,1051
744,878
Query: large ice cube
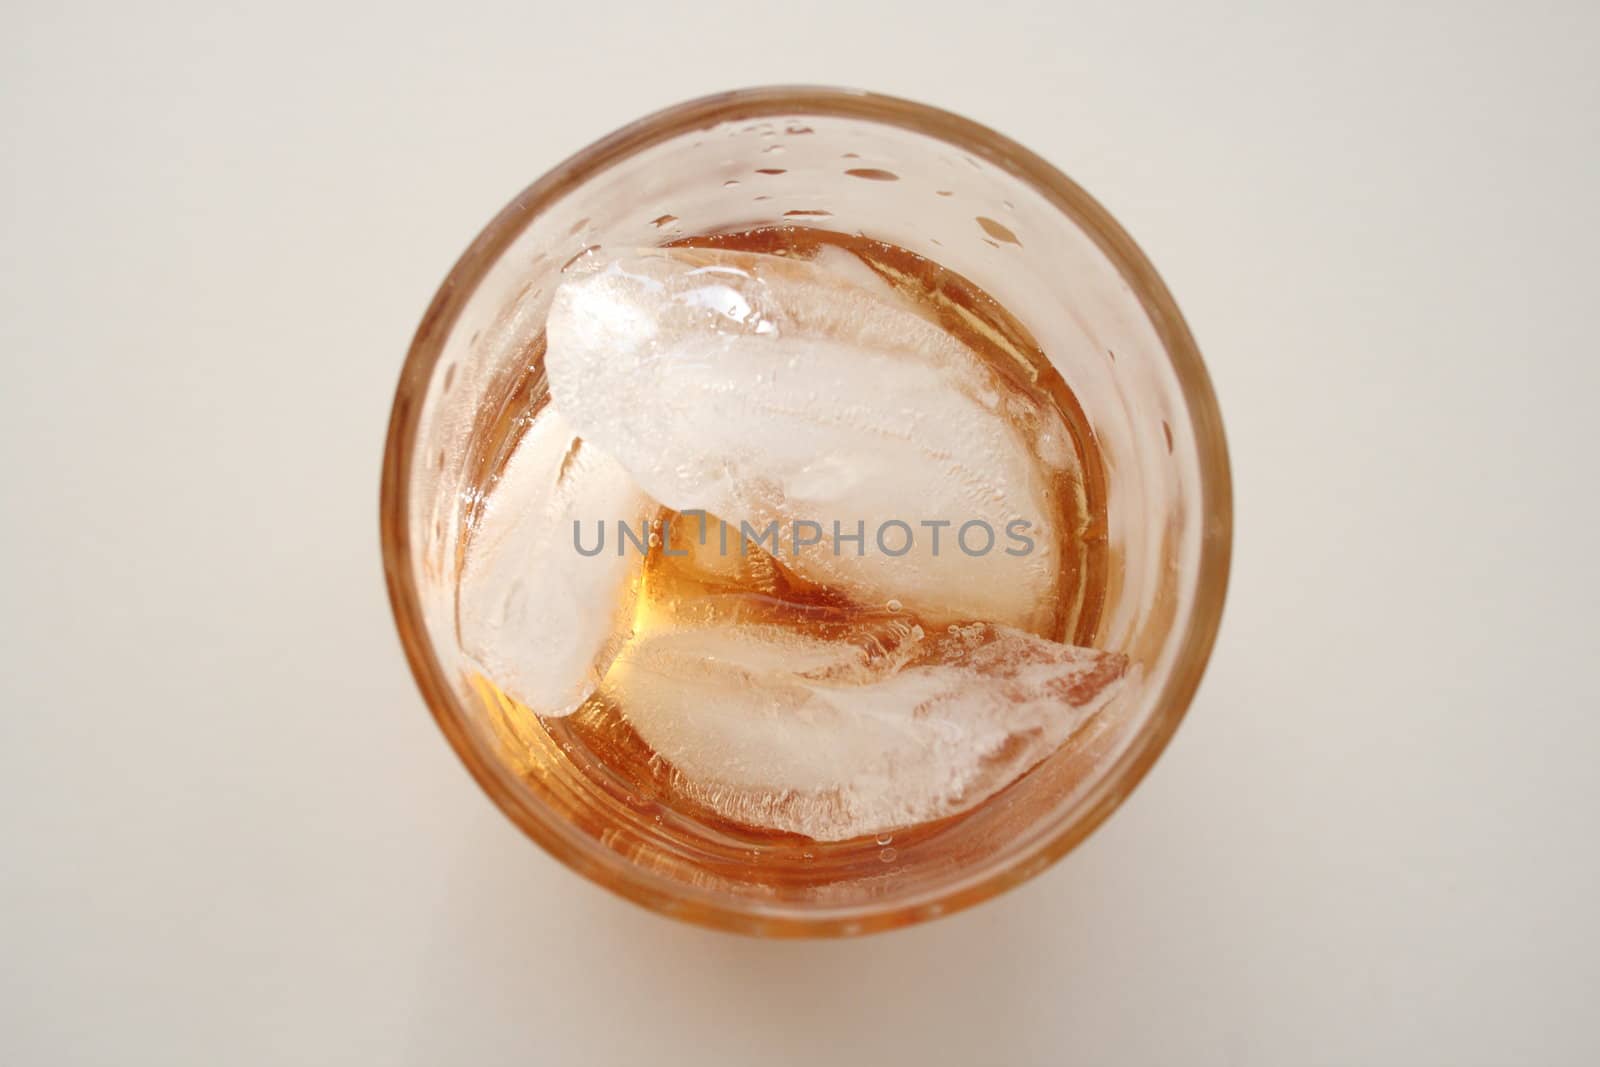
836,739
764,389
540,618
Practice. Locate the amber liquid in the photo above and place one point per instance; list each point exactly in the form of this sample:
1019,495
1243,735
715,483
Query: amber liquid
595,762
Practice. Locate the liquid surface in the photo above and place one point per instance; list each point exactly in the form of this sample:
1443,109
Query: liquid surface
726,413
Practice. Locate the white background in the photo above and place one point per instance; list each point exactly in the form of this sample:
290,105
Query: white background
232,834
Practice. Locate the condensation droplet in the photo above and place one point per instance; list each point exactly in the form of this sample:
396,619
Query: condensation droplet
887,855
1166,429
873,174
730,183
997,231
895,605
805,213
885,839
771,170
663,220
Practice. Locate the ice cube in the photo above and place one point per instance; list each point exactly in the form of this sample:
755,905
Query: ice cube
840,738
763,389
541,619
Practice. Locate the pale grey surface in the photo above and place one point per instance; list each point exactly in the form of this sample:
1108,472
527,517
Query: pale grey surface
230,832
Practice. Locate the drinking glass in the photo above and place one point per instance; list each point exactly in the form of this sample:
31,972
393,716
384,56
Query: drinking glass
976,203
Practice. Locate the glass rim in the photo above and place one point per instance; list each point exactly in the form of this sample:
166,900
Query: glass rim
1178,345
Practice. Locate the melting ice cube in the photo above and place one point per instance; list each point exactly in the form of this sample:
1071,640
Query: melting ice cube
836,739
539,617
763,389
